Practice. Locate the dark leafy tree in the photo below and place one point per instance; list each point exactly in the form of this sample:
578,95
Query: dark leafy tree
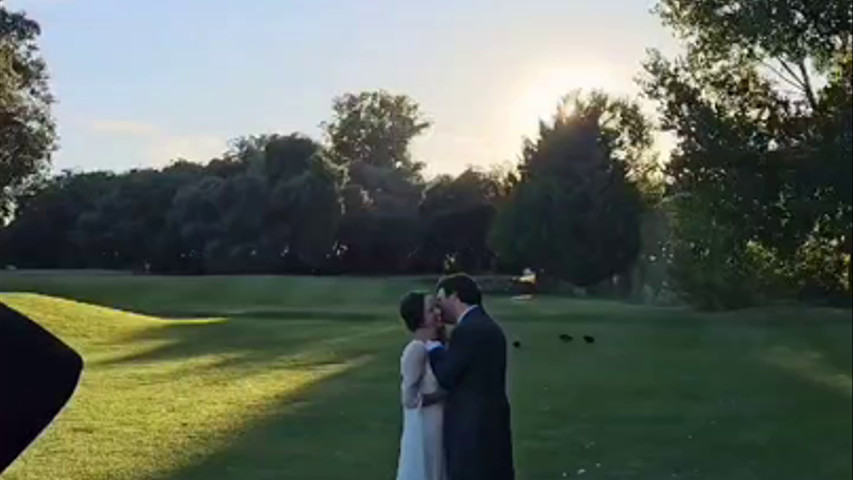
575,212
27,131
764,150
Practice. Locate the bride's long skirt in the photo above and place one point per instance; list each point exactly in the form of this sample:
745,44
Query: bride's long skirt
421,447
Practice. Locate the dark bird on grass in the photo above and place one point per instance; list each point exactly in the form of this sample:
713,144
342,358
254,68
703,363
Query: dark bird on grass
589,339
566,338
516,344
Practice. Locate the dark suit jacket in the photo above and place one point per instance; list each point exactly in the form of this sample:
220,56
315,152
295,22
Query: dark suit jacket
477,432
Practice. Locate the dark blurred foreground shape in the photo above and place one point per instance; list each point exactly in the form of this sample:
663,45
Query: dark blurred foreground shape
38,374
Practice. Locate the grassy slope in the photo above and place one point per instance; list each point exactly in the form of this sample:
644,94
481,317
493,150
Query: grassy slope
297,378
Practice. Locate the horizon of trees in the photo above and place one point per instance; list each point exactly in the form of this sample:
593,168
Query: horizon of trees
753,204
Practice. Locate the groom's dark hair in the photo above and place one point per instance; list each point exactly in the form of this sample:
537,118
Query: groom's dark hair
412,310
463,286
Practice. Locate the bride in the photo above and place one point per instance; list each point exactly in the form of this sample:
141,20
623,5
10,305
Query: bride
421,447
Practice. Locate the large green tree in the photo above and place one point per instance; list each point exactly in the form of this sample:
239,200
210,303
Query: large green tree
271,203
760,180
375,128
575,211
43,232
276,209
307,206
370,135
27,132
456,215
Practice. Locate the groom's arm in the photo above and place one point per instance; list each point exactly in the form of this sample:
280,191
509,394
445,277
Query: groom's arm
448,364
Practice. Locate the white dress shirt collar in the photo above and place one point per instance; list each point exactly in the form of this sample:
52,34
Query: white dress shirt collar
465,313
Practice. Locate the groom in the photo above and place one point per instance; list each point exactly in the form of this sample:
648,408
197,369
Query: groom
472,369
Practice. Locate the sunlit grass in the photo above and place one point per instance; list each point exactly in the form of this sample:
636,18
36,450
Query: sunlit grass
811,366
298,378
148,417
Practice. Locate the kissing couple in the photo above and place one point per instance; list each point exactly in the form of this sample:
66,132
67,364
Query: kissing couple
456,413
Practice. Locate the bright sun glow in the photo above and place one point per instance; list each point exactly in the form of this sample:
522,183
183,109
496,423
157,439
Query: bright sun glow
541,92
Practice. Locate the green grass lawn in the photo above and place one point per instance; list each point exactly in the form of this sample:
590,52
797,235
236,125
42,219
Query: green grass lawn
256,378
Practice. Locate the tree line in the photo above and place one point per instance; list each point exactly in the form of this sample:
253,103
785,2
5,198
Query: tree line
753,203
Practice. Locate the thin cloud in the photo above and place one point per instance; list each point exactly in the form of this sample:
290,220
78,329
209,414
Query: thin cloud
160,146
195,148
125,127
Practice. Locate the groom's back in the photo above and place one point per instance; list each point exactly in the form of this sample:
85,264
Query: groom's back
488,367
477,417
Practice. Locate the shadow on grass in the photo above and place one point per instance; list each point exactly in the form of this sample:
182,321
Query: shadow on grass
249,340
331,430
241,398
281,314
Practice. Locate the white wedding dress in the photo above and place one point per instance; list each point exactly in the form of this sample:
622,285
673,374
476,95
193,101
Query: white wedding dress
421,447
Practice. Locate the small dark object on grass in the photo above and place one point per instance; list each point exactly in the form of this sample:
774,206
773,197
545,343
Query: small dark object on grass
566,338
516,344
589,339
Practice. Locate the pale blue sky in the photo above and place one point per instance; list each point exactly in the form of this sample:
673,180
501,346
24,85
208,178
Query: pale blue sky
142,82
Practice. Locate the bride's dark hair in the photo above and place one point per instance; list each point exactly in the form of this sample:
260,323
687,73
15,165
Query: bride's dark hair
412,310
